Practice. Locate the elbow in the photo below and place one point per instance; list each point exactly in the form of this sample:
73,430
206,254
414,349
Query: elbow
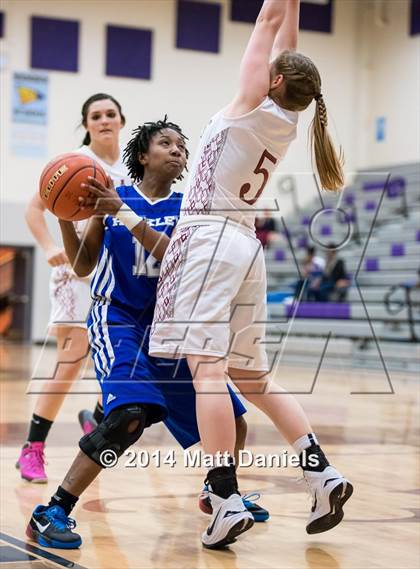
82,270
28,211
272,15
270,24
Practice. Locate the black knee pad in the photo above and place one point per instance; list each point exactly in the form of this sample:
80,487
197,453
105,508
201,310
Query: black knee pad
113,435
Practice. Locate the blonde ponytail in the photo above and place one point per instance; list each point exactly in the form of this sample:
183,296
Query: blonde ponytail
329,165
301,85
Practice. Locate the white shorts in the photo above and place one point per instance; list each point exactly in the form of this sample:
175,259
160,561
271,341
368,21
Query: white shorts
70,298
211,297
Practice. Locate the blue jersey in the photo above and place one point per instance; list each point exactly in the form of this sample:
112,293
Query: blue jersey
124,296
126,274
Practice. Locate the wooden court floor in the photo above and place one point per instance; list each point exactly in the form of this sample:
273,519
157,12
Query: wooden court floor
141,518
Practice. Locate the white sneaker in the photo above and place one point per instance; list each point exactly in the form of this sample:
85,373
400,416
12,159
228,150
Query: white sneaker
230,519
330,491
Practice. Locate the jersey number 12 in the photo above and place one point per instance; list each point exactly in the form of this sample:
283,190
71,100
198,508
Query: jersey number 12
144,267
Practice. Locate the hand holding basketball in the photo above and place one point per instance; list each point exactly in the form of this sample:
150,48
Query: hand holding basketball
102,197
60,185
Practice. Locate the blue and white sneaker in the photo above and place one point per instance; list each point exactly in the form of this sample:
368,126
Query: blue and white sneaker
50,527
258,513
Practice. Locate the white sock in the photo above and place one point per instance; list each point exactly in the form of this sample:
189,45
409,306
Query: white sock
305,442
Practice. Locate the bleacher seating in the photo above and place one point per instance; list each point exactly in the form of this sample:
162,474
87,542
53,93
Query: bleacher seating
383,251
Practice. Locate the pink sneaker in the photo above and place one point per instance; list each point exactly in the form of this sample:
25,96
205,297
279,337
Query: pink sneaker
31,463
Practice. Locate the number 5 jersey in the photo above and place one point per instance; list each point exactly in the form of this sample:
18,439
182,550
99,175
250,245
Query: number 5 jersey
235,160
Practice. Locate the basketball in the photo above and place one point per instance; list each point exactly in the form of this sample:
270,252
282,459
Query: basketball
60,185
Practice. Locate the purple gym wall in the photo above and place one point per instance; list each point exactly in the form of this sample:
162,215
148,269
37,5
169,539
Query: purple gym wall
245,10
415,17
129,52
315,16
198,26
2,24
54,44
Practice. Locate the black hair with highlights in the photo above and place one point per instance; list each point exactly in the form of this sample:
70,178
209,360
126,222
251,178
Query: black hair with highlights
140,143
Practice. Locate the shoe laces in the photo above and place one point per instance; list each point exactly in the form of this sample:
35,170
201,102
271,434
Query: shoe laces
35,456
252,497
58,518
308,488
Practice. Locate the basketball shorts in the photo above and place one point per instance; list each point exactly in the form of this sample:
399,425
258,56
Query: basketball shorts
70,298
211,297
127,374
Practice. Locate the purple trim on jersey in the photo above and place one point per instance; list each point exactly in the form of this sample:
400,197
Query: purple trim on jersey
201,191
170,275
64,292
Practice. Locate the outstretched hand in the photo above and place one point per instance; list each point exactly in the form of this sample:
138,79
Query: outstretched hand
104,199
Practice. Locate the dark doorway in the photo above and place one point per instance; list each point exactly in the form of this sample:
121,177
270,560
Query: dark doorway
16,278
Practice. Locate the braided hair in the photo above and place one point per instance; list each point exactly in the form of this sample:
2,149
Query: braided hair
301,85
140,143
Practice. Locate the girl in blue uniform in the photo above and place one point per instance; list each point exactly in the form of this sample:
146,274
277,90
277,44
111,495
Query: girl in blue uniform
137,390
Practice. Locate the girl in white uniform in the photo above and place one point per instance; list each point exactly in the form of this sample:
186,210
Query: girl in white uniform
211,303
103,119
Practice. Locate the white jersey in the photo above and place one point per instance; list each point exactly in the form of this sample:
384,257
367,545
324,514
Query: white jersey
117,171
70,294
235,160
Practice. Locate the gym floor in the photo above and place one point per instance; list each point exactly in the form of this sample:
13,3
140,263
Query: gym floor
148,517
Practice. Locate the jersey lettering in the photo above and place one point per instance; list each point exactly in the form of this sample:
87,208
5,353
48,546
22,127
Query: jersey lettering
145,265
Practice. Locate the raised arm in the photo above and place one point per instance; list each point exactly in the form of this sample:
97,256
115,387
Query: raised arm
287,36
34,216
83,253
254,73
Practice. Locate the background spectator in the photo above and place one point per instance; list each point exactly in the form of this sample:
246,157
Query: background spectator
333,282
265,229
312,269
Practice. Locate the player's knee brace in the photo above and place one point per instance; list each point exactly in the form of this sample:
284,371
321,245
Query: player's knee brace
115,433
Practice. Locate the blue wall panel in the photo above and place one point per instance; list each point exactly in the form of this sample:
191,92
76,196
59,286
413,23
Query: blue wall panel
198,26
54,44
129,52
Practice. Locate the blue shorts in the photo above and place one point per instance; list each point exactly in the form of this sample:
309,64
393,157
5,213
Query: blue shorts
127,374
